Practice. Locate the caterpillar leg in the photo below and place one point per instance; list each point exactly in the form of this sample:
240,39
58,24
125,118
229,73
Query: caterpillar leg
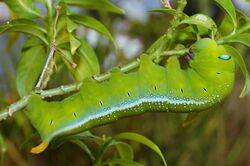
40,148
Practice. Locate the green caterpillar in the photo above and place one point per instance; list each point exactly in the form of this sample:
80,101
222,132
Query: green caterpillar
207,80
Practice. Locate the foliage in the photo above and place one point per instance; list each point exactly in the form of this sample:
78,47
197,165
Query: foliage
52,43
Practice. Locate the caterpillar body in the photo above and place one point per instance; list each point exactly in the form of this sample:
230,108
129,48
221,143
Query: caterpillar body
207,80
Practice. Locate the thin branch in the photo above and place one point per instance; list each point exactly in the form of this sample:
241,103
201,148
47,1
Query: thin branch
166,4
20,104
47,67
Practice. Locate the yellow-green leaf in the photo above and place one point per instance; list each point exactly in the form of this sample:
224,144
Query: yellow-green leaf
240,61
29,68
243,38
23,8
101,5
143,140
25,26
125,150
74,43
201,20
92,23
228,6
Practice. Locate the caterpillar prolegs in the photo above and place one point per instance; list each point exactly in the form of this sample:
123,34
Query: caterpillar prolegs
207,80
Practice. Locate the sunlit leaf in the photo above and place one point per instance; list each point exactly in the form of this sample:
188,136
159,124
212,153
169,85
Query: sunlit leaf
201,20
89,54
143,140
242,38
29,68
92,23
100,5
25,26
71,26
23,8
74,43
240,61
228,6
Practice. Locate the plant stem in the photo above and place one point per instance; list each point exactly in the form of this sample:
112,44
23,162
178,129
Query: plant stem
177,18
232,35
48,67
50,19
20,104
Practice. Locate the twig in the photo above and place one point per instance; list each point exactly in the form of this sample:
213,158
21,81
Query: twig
166,4
43,79
20,104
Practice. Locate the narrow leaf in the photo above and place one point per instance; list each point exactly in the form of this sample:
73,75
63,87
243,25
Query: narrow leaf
25,26
92,23
240,61
228,6
71,26
143,140
242,38
89,54
81,136
85,60
23,8
123,162
165,11
84,147
29,68
100,5
74,43
125,150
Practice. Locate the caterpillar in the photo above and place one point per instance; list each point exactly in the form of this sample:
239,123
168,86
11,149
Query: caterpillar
170,88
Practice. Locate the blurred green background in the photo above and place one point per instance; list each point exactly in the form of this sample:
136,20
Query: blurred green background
217,137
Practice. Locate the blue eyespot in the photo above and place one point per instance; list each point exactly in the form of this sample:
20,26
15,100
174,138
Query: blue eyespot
224,57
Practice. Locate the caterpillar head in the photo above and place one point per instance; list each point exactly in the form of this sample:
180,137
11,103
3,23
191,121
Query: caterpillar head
206,53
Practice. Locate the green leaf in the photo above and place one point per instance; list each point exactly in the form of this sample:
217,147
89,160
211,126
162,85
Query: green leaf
228,6
71,26
240,61
3,149
25,26
201,20
143,140
84,147
100,5
164,11
226,26
92,23
123,162
243,38
125,150
74,43
29,68
167,11
89,55
85,59
81,136
24,8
